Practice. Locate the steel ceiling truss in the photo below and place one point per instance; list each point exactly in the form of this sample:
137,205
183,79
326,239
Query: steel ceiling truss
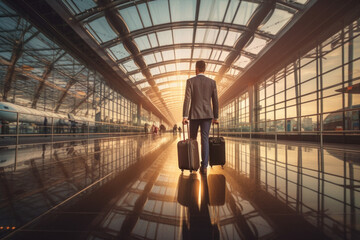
119,26
187,24
97,12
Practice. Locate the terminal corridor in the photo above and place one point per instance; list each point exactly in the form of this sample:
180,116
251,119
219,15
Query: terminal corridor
95,96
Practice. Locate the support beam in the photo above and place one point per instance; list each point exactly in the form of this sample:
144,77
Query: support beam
16,53
258,17
250,55
45,76
69,84
187,24
37,78
89,94
41,85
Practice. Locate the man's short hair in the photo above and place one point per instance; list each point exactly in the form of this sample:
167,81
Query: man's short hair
200,65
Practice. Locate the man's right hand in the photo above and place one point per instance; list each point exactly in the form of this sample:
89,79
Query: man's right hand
215,121
185,121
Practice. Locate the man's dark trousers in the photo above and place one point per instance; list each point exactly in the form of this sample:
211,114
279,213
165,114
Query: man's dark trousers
205,129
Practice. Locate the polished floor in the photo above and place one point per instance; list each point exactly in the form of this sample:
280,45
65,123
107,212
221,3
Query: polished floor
131,188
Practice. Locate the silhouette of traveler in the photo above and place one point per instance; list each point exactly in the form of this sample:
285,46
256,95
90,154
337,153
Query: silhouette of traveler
199,94
198,217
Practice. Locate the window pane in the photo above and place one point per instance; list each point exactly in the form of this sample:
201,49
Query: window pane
309,108
332,78
119,51
215,54
352,120
223,55
149,59
154,71
309,123
177,15
221,37
231,38
206,35
256,45
130,66
231,11
79,6
332,103
212,10
280,114
168,55
290,93
159,11
290,80
332,60
242,62
153,40
138,77
356,50
183,35
244,13
131,18
269,89
183,53
170,67
144,13
183,66
202,53
333,121
308,87
102,31
308,71
280,97
158,57
142,43
165,38
277,21
291,112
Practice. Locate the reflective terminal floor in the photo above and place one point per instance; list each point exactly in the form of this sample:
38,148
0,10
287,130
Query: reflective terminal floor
131,188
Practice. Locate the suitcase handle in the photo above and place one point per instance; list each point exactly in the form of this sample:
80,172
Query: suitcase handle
188,130
218,128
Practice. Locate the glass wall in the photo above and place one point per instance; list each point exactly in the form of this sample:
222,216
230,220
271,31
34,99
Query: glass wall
316,93
235,115
35,72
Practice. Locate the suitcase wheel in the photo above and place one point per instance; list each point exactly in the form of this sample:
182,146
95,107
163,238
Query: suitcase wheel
182,170
190,171
222,166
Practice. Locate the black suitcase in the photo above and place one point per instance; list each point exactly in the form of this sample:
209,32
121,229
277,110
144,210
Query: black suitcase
188,153
216,149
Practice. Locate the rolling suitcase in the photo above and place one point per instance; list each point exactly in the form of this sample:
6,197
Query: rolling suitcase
216,149
188,153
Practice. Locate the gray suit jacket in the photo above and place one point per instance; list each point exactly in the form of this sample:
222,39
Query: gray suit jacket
200,92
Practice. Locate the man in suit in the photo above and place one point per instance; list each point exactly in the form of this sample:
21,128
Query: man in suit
199,94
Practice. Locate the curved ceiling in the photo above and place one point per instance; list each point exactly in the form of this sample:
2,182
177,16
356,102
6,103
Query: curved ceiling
156,43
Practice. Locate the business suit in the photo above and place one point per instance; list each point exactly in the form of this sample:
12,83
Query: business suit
200,92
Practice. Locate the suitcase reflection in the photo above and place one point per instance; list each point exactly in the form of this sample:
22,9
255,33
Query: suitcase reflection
201,194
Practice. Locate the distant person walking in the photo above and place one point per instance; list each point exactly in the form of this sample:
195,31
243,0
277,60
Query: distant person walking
200,92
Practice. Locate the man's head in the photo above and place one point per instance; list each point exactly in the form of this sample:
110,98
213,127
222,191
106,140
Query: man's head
200,67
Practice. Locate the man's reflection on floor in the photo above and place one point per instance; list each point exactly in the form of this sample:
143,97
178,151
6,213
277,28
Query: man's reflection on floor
196,195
